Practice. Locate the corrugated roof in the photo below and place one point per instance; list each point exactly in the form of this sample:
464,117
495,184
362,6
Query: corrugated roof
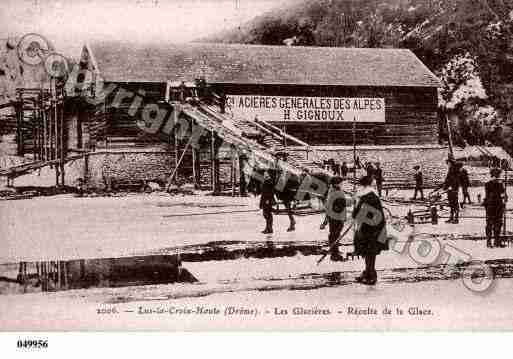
259,64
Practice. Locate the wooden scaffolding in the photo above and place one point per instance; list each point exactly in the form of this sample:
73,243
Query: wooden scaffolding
40,127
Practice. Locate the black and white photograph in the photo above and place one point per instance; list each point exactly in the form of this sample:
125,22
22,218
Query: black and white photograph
291,165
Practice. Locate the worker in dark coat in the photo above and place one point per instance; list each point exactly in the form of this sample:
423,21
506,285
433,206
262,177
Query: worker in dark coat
419,183
357,163
333,166
378,175
494,203
288,192
452,186
267,201
370,169
344,170
370,235
335,216
465,184
287,196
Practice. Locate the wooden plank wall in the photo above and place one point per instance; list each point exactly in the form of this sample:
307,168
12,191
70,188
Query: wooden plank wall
119,122
410,114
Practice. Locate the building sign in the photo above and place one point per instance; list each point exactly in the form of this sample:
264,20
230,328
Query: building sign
307,109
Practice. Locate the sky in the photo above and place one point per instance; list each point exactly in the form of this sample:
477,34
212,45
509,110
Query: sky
70,23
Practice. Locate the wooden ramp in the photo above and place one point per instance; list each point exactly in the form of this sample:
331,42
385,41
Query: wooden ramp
25,168
235,132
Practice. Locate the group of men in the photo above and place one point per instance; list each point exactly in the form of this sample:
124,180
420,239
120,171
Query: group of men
494,201
452,183
457,177
339,169
373,170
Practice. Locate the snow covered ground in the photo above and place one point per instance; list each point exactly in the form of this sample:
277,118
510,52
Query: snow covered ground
64,227
411,275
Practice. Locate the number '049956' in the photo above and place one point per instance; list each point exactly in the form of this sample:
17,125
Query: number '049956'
32,344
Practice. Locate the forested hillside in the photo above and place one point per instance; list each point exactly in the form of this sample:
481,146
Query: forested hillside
467,43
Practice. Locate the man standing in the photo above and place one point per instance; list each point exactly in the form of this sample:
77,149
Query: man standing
419,182
267,201
370,169
370,230
465,183
494,202
378,175
344,170
335,216
452,186
288,192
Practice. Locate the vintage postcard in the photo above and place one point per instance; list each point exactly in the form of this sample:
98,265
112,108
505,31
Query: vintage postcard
180,165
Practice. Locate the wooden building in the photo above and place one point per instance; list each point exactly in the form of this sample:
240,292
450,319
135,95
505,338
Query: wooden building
383,99
313,93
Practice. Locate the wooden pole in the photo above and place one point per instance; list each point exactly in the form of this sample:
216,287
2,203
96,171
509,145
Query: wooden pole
43,277
170,180
56,130
45,134
505,204
19,123
34,132
232,174
194,169
49,129
242,177
217,166
58,270
449,134
212,160
40,123
60,112
66,279
37,124
20,273
86,168
354,154
50,271
176,146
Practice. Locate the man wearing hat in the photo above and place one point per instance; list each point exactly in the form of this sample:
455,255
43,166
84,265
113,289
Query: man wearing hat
286,195
419,182
267,201
494,203
465,184
335,216
378,176
452,185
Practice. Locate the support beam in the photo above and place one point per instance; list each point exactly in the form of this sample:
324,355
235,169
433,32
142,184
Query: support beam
242,176
45,134
19,120
196,168
212,162
63,149
449,134
173,174
175,139
86,168
215,142
232,170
